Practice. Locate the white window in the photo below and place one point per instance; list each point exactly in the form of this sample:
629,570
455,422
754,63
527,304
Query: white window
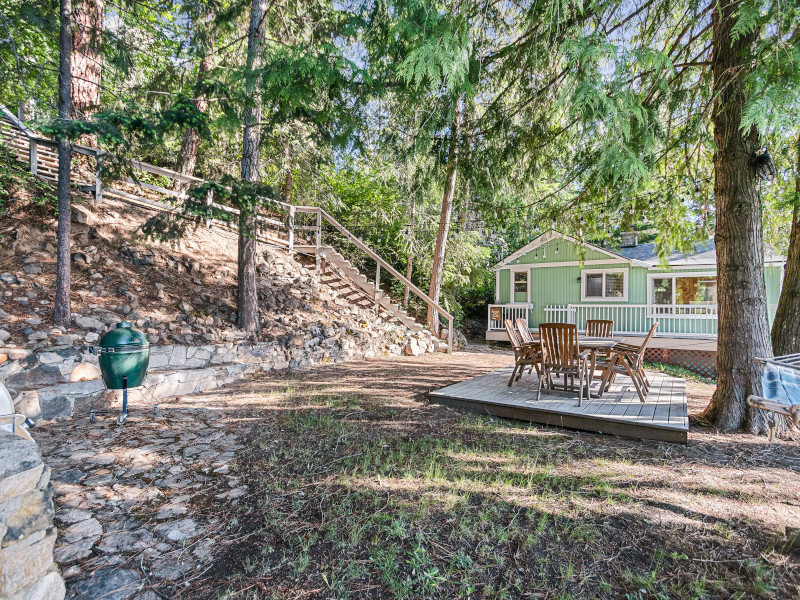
683,290
521,282
520,286
604,285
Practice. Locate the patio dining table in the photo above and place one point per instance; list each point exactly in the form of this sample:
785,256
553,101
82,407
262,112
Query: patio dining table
593,345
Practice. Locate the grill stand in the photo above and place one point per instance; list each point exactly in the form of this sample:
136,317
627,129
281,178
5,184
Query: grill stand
123,417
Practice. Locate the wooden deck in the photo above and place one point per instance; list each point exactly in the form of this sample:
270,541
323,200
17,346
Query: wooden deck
663,417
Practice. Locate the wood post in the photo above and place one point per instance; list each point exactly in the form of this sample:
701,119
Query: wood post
318,240
209,200
34,157
377,287
449,335
291,230
98,180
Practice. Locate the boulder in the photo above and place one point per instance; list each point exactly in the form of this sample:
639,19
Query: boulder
85,372
90,323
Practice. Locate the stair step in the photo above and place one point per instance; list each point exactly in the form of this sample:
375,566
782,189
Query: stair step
363,292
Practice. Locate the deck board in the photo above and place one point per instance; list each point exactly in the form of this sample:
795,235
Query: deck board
663,417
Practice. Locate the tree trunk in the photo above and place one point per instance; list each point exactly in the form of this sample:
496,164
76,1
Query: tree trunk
87,61
410,261
444,220
287,182
62,310
786,327
743,324
248,292
191,138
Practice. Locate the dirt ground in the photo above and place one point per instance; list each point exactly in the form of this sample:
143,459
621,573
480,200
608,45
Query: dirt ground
350,484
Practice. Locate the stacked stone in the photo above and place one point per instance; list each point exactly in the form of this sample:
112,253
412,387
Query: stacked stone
57,383
27,534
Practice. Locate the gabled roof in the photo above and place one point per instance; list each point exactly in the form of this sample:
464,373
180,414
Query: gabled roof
702,254
649,254
642,255
551,235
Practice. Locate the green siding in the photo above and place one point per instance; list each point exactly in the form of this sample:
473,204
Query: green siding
561,285
505,290
556,285
567,251
773,275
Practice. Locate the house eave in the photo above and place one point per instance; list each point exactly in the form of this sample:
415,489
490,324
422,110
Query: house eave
551,235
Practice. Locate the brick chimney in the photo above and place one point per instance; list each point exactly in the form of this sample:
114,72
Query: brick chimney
630,239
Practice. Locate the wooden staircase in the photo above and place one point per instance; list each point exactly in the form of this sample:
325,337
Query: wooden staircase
279,220
331,259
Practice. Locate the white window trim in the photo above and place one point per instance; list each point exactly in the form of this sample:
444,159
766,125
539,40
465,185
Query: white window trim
651,293
518,269
625,277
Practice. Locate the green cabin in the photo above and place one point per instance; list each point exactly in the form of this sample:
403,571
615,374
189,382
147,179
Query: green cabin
559,279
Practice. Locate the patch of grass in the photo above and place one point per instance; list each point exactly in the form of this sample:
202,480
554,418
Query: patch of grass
351,499
677,371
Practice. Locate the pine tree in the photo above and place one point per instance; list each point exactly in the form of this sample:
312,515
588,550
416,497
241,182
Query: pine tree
62,314
248,292
786,326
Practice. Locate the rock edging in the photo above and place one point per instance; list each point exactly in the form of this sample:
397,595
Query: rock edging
59,382
27,534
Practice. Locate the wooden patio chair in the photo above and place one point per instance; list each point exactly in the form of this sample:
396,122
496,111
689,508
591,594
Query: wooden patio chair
525,354
526,338
561,355
524,331
627,359
599,328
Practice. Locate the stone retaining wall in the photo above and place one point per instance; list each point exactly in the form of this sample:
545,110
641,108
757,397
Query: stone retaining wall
59,382
27,534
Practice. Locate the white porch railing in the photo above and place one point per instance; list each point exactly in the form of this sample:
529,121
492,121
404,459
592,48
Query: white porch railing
498,313
687,320
691,320
682,320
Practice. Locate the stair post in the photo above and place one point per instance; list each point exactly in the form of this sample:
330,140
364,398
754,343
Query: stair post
450,335
34,157
98,180
291,230
209,200
319,239
377,287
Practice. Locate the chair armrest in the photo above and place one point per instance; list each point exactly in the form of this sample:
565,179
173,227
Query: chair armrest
625,351
623,347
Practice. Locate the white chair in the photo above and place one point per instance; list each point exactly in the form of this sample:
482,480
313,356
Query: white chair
9,420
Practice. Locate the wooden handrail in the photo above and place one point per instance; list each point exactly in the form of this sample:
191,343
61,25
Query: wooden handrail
367,250
322,214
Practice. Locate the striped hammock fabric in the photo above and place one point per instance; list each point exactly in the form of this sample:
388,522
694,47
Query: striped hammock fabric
781,384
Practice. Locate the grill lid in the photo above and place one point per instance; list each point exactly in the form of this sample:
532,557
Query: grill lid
123,336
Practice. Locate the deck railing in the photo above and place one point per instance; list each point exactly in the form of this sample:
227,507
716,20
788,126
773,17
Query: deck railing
681,320
498,313
690,320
